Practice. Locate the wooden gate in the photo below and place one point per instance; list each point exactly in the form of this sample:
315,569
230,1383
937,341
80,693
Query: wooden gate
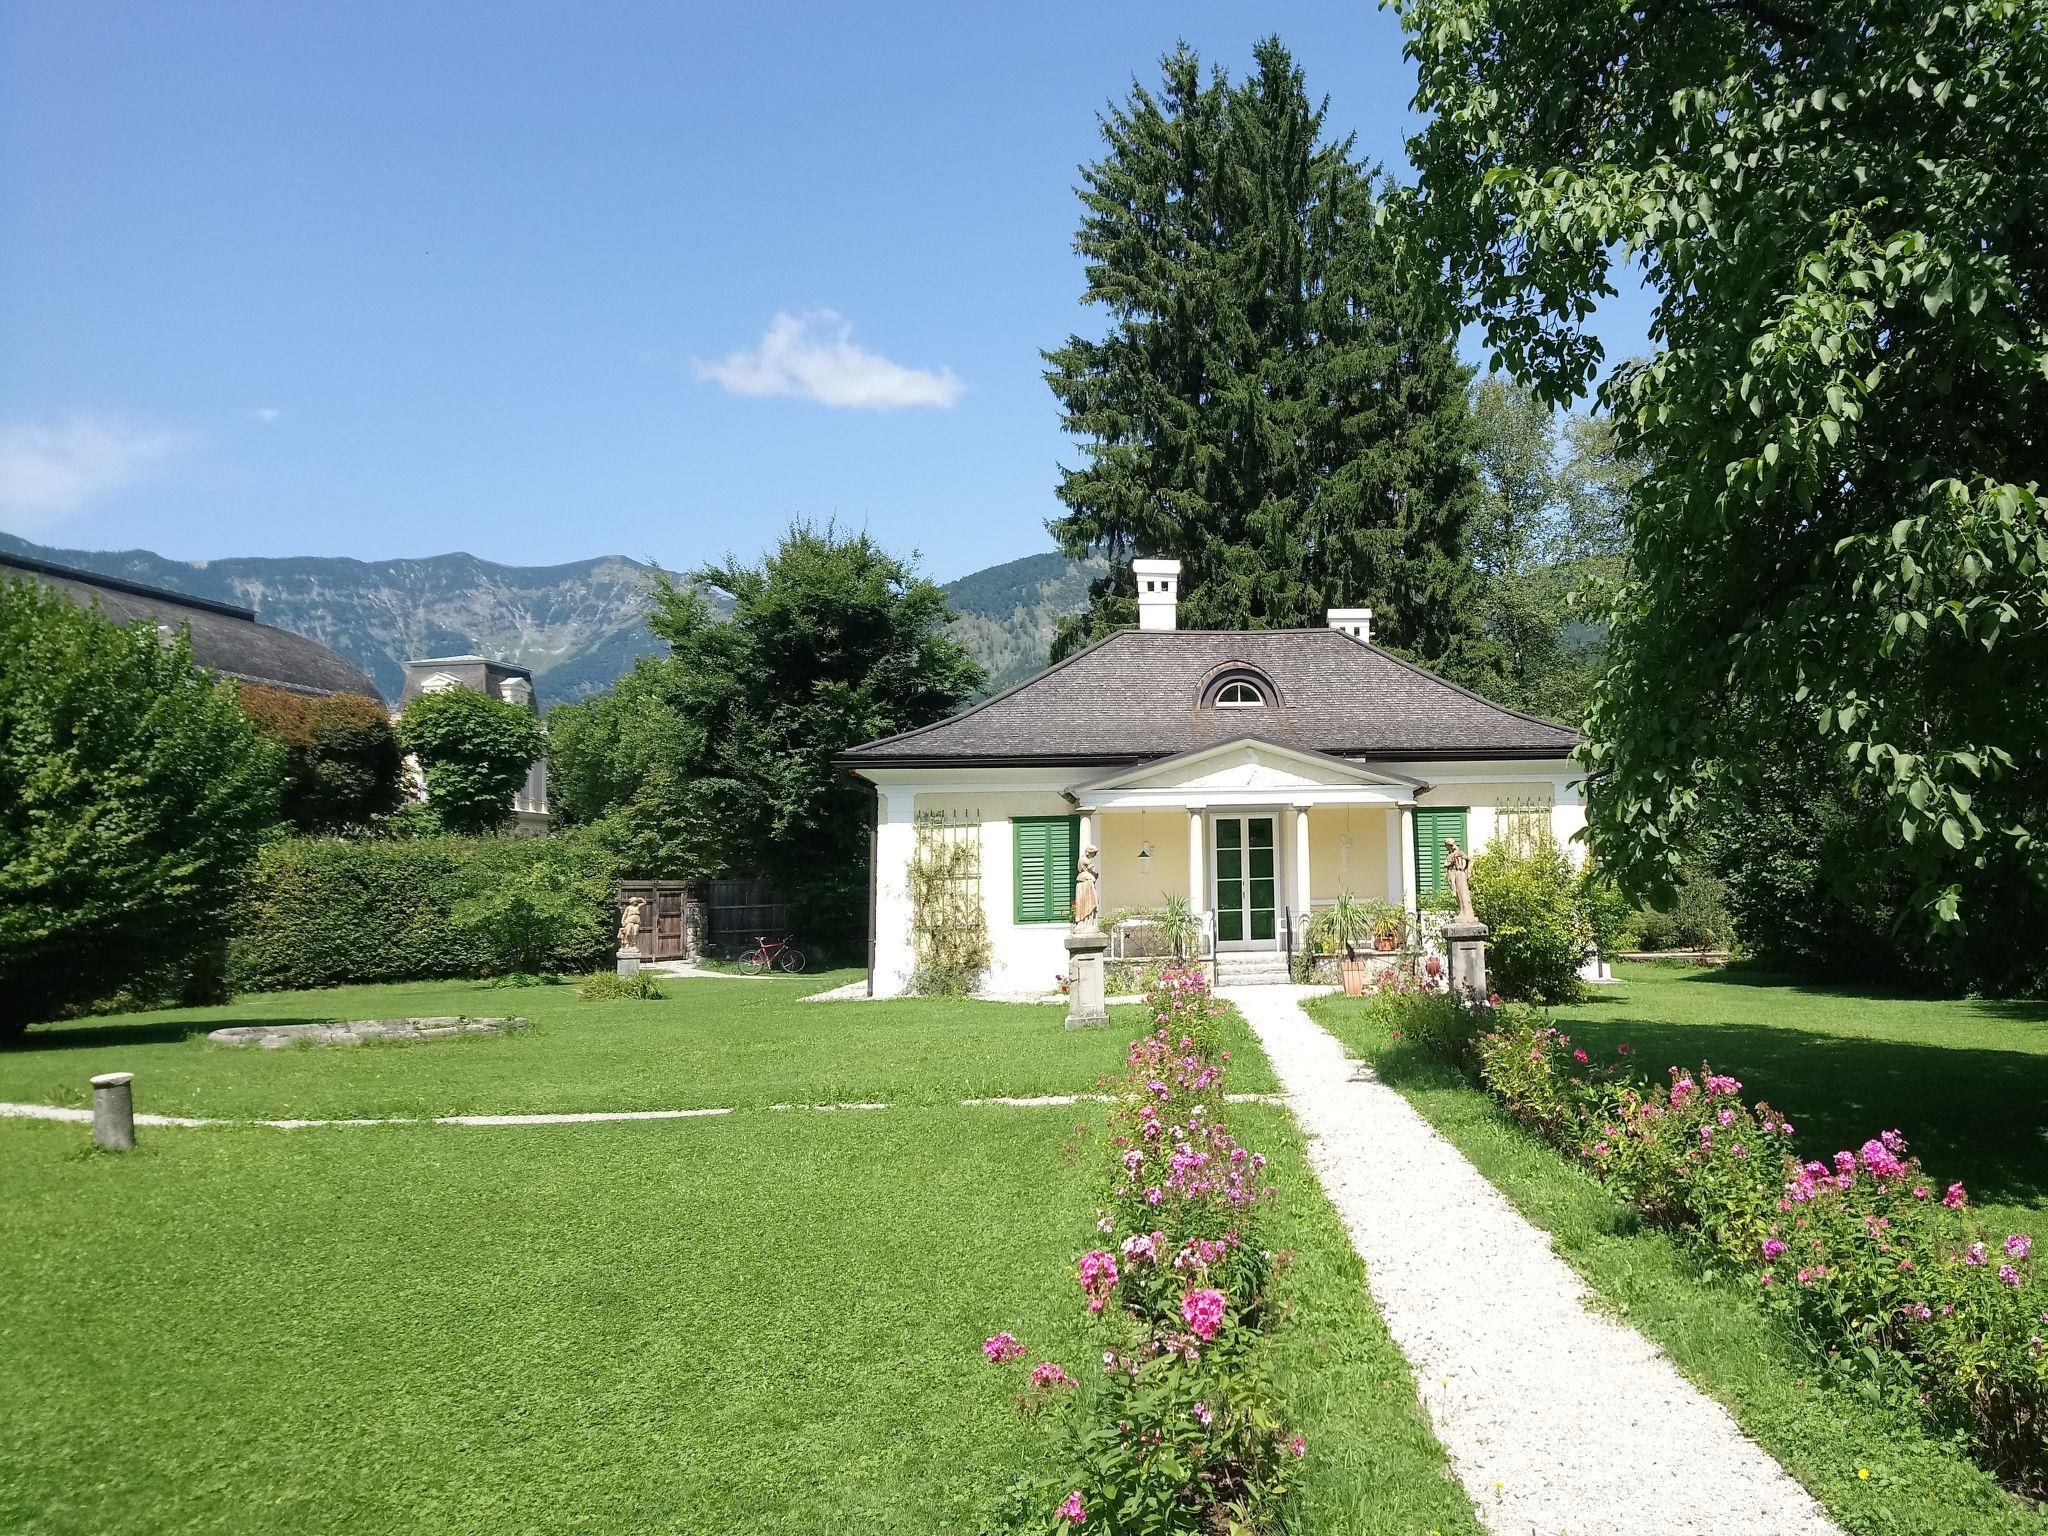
667,919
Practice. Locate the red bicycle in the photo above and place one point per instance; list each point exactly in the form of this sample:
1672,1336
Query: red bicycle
769,953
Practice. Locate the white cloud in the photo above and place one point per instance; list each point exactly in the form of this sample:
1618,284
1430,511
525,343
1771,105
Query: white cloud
266,414
814,355
47,473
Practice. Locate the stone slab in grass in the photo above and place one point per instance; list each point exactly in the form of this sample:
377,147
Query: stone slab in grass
274,1037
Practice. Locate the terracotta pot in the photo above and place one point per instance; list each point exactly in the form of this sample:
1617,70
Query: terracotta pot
1386,943
1353,972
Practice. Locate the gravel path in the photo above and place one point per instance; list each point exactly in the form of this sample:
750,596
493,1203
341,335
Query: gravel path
1559,1421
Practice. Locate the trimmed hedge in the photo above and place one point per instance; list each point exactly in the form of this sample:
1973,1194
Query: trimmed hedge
324,912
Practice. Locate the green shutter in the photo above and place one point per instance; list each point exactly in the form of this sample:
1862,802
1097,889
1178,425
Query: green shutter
1432,826
1047,850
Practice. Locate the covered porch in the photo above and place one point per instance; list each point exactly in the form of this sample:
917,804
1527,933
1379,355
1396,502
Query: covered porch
1254,837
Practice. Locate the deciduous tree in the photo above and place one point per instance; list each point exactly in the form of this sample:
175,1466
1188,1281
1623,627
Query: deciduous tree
133,794
474,751
1839,540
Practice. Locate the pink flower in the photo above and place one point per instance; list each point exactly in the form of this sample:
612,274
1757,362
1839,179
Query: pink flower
1623,1048
1772,1248
1955,1199
1767,1279
1046,1374
1299,1446
1726,1117
1974,1256
2008,1274
1202,1310
1204,1415
1718,1083
1878,1158
2018,1246
1919,1191
1786,1127
1580,1055
1001,1348
1845,1162
1071,1509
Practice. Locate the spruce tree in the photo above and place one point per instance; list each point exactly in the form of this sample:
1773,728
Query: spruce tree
1267,404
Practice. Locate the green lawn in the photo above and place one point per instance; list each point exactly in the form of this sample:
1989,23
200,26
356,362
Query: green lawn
741,1043
1825,1428
755,1323
1966,1081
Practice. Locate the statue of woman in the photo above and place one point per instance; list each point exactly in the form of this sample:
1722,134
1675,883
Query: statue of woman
1458,865
1085,903
629,924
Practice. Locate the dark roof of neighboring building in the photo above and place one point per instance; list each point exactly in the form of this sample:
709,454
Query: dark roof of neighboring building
225,639
1139,694
475,672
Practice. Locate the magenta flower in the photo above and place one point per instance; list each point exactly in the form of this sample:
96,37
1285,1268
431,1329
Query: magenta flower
1975,1257
2018,1246
2008,1274
1580,1055
1204,1415
1046,1374
1955,1199
1001,1348
1202,1310
1772,1248
1071,1509
1299,1447
1720,1083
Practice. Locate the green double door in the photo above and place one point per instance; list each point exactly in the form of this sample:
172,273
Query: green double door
1247,882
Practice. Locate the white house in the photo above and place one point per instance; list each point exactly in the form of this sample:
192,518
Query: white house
1256,773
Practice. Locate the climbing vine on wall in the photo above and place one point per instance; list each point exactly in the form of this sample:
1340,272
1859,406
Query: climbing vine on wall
949,929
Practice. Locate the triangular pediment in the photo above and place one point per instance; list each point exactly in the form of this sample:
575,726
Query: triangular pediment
1247,763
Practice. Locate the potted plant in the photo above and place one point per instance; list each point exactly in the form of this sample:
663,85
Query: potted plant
1341,925
1389,927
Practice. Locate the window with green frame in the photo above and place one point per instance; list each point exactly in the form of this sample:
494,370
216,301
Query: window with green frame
1432,825
1046,850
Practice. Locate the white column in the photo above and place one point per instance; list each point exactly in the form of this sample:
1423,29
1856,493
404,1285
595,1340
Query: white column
895,845
1408,892
1301,880
1198,866
1396,891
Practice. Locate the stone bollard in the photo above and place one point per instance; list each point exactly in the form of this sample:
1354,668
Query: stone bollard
629,960
113,1111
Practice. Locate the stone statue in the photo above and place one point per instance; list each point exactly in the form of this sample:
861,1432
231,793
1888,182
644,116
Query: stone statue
1085,902
629,924
1458,865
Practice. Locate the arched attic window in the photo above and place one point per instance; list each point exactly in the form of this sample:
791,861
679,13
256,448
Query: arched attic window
1239,688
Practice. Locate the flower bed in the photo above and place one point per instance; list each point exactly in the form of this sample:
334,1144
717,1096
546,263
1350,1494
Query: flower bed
1876,1265
1176,1429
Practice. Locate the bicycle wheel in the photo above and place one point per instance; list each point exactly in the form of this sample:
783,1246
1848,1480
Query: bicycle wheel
755,963
792,960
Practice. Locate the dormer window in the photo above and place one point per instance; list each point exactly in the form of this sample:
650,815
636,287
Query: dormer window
1239,687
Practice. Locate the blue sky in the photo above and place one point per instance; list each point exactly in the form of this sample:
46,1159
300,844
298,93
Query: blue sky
542,282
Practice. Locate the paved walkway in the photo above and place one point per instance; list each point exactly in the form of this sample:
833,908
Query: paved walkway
1557,1419
9,1111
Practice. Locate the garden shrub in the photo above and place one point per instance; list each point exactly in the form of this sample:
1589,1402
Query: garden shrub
1179,1429
531,916
610,986
1872,1262
1529,895
323,912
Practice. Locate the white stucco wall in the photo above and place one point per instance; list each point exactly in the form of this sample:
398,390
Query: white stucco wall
1027,956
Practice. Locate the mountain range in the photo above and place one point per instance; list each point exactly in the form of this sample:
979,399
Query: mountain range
577,626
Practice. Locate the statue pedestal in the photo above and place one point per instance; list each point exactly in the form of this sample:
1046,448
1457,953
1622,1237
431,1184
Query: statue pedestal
1086,1008
1467,945
629,960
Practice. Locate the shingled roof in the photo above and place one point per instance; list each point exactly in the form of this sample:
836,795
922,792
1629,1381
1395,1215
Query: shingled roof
225,639
1139,694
